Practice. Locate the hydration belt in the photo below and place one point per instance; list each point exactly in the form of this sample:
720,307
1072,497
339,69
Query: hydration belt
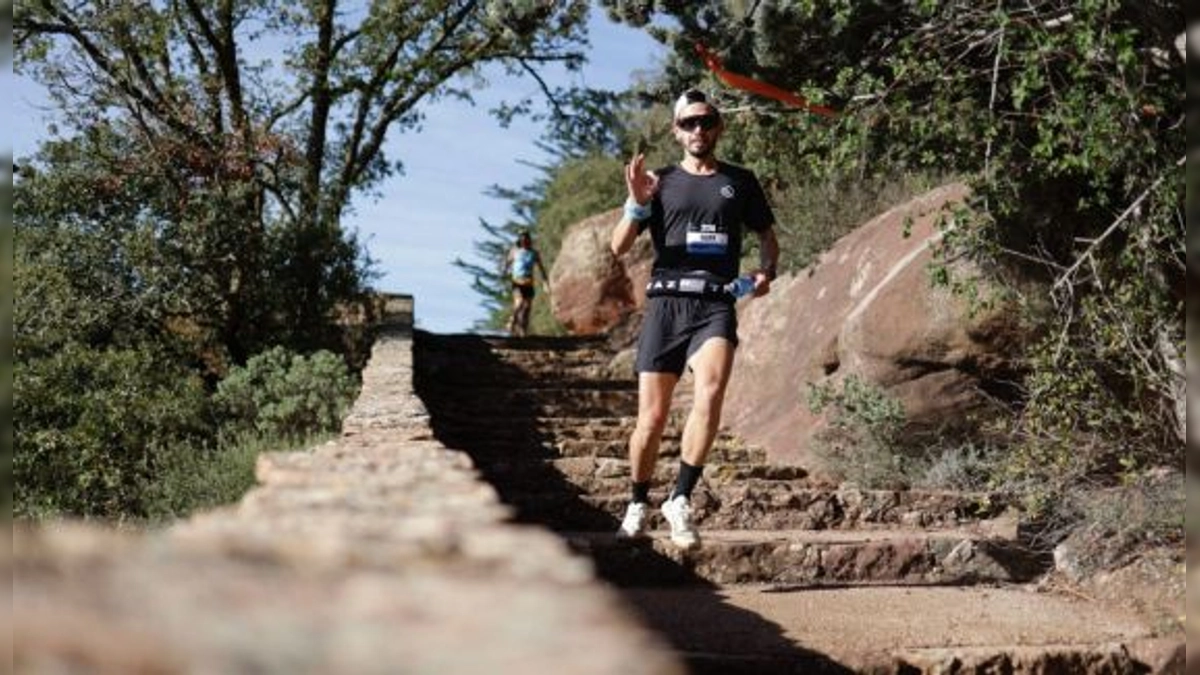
687,287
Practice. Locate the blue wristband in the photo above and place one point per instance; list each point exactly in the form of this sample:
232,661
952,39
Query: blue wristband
636,211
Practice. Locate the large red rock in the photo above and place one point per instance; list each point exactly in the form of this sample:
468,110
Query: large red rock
867,309
593,291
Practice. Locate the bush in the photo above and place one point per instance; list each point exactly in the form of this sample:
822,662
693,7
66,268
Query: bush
90,426
285,395
862,442
968,466
129,434
814,213
195,478
1104,527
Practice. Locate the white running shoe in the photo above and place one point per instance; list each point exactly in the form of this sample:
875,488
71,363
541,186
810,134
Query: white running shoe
634,524
678,513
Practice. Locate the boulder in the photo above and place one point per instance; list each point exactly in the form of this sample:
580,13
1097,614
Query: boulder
867,308
592,290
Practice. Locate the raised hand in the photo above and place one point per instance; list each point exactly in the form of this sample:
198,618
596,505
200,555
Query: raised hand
640,182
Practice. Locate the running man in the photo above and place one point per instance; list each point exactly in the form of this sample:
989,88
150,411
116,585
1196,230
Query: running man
696,213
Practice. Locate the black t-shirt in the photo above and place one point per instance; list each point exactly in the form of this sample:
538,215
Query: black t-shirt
696,221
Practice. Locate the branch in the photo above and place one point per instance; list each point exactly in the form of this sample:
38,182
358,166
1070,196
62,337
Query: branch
367,137
225,50
216,111
285,111
273,188
122,83
1116,223
987,155
558,111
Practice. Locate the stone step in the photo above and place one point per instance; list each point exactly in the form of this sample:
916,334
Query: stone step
502,343
774,630
603,427
754,504
483,447
469,355
446,386
468,374
435,365
806,558
505,400
532,427
597,475
731,496
526,403
480,350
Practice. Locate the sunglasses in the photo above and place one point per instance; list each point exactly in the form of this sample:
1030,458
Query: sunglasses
705,122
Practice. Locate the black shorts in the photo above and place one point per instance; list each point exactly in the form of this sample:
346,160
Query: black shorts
675,327
525,290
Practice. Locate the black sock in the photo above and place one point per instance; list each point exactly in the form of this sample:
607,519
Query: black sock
688,477
641,492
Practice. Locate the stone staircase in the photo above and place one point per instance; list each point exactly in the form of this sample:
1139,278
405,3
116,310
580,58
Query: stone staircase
793,576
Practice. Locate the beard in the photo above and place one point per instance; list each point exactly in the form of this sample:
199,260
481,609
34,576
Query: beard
702,149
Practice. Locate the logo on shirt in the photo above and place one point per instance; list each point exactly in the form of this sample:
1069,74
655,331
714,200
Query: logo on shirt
727,192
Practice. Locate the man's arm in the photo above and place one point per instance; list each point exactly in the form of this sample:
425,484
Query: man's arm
768,252
641,185
768,261
623,236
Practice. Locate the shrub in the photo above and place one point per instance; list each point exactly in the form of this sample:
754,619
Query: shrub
967,465
90,426
1104,527
193,478
285,395
862,442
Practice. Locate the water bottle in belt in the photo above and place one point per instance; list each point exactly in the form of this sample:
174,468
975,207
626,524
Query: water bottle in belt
741,286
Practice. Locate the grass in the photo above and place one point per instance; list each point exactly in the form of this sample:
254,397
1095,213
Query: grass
198,480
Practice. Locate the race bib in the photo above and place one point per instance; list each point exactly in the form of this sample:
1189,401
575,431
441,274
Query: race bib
707,240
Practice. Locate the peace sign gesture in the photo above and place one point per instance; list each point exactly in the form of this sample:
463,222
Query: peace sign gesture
641,183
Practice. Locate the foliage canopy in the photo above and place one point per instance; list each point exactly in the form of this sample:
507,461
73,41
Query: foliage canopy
186,216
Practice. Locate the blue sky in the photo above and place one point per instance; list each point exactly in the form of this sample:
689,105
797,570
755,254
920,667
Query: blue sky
429,216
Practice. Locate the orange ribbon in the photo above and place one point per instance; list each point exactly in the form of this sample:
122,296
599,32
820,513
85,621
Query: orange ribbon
761,88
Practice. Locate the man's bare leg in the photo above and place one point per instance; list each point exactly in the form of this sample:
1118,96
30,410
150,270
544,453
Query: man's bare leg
654,407
711,367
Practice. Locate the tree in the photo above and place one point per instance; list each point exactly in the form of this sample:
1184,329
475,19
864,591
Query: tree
188,215
266,156
6,247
